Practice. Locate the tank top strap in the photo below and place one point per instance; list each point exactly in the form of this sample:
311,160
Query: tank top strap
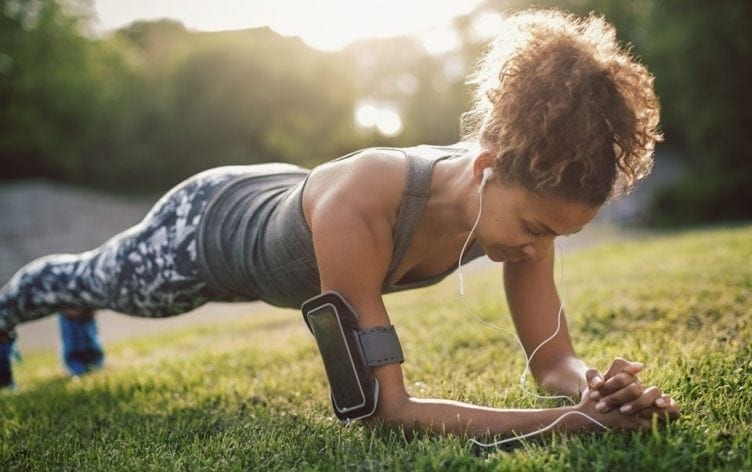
420,163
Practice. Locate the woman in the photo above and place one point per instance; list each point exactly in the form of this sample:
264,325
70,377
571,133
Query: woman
563,121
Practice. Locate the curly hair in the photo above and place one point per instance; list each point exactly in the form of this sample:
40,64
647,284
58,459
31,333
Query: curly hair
566,110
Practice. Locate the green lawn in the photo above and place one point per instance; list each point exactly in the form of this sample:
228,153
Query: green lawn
253,395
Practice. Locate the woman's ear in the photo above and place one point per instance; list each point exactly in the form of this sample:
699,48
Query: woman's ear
485,159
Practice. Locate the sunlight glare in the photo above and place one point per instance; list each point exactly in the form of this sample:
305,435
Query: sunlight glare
389,123
384,117
329,25
486,25
366,115
440,40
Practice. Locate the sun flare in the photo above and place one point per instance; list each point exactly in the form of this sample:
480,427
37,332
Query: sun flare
326,25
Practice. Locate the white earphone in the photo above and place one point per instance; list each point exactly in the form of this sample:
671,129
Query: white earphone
487,173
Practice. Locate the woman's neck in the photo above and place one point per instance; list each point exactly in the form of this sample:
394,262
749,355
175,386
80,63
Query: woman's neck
453,203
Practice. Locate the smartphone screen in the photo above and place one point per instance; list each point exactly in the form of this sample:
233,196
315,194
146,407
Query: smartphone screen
347,392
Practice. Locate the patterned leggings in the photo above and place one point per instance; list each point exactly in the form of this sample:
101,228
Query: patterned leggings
148,270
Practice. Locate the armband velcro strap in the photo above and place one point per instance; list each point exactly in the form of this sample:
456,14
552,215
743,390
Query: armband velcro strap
381,346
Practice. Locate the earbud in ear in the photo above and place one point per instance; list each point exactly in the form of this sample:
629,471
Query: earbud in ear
487,173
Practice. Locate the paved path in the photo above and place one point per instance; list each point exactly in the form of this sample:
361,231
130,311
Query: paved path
39,218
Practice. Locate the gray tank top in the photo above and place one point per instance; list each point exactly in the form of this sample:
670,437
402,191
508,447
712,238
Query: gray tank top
254,243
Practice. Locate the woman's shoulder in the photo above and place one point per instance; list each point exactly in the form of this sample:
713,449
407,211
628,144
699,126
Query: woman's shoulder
368,168
387,164
369,182
380,160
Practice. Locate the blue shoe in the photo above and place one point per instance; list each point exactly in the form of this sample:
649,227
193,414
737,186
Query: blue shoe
7,352
82,350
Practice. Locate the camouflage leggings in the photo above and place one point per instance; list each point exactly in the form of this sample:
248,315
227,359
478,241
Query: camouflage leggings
148,270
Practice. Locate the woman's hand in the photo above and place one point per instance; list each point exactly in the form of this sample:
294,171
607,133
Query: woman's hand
652,402
618,420
617,387
620,389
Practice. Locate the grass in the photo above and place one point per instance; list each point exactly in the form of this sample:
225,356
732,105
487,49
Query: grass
253,395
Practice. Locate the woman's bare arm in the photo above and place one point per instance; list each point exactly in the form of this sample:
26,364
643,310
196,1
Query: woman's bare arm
534,305
353,245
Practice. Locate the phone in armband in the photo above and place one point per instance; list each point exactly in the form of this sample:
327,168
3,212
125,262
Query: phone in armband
354,391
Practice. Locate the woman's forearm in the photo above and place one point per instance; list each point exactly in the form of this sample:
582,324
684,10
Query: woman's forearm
451,417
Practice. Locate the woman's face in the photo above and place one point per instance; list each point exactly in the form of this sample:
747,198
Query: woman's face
517,224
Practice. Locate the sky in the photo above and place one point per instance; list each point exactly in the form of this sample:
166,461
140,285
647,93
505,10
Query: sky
323,24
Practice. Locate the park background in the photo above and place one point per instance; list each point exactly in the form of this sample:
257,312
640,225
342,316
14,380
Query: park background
96,123
140,108
99,116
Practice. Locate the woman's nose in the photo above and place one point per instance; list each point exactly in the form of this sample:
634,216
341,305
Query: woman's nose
529,250
537,249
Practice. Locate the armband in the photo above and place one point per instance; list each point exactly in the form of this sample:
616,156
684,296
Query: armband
349,353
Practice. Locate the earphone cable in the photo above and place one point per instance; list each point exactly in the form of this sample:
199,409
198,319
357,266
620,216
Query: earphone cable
528,359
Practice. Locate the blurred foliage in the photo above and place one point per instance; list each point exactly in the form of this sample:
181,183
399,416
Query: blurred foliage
703,66
152,103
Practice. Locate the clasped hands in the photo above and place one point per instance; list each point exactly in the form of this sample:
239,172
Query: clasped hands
619,391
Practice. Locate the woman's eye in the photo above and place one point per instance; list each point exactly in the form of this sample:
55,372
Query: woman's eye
532,233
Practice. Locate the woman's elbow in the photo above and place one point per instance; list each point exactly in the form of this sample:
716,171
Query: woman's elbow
393,409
